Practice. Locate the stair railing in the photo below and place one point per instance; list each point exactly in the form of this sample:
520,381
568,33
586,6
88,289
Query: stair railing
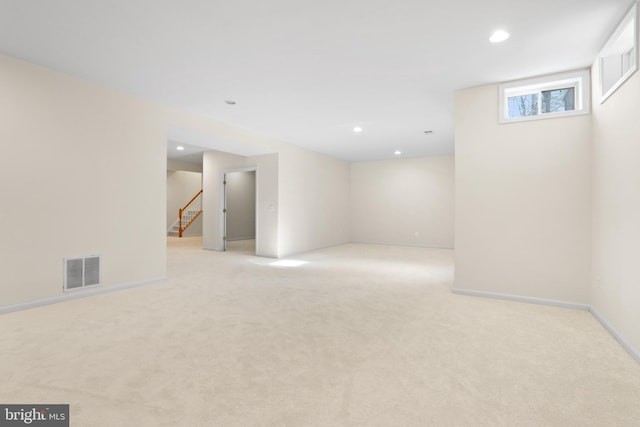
189,212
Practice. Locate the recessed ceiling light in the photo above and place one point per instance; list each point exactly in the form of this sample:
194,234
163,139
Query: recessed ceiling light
357,129
499,36
397,152
230,101
179,148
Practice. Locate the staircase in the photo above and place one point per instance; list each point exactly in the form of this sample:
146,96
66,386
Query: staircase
186,215
174,230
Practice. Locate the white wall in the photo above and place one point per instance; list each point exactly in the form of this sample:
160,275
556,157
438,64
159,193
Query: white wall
181,187
241,205
523,222
82,172
214,164
313,201
393,200
302,199
179,165
615,291
86,169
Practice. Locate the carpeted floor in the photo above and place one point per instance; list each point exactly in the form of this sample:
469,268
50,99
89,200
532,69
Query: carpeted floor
360,335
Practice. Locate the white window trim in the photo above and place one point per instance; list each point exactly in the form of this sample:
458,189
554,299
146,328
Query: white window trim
576,79
632,14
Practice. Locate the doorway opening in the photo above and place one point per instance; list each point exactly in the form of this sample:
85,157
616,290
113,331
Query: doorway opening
184,190
239,211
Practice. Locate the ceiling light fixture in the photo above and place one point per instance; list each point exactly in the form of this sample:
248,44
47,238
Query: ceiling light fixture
357,129
428,132
499,36
230,101
397,152
179,148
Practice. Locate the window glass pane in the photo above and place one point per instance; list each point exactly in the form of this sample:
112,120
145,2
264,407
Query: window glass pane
557,100
523,105
565,94
617,60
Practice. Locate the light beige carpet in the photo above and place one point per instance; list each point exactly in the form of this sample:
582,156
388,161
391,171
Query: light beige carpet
361,335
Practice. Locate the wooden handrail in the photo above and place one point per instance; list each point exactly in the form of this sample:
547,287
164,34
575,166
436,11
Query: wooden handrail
192,199
184,208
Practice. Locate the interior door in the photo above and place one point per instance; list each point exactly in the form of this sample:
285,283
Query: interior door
238,210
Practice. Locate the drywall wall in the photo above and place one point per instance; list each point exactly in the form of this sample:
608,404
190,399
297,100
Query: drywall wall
615,290
82,172
405,202
302,199
302,196
87,170
313,201
241,205
523,202
181,187
179,165
267,191
215,163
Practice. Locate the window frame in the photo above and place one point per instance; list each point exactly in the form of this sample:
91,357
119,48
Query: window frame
631,15
578,80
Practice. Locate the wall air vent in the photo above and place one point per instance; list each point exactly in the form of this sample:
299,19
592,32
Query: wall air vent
81,272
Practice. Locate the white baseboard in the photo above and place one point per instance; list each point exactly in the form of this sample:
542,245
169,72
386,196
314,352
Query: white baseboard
77,294
623,342
402,245
531,300
517,298
576,306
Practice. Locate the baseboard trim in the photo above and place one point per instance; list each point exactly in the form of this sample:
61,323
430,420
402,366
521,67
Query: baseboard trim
78,294
615,334
554,303
518,298
403,245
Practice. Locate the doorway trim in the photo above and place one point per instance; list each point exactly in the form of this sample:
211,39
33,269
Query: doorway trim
222,221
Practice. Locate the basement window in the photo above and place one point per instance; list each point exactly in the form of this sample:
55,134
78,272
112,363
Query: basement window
618,60
546,97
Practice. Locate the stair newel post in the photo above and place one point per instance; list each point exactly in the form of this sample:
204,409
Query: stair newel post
179,222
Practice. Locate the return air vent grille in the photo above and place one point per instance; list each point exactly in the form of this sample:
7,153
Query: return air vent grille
81,272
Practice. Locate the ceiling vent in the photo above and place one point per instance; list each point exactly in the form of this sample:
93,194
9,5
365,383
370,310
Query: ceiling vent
81,272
